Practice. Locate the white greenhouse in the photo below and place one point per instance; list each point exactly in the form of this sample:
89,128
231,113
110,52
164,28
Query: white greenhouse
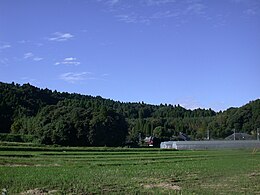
198,145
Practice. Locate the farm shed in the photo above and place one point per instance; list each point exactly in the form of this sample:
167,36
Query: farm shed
197,145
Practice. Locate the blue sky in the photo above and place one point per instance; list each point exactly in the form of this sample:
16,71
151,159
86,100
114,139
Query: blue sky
196,53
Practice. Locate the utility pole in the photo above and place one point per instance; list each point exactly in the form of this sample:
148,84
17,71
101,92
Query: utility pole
208,134
234,134
257,134
140,139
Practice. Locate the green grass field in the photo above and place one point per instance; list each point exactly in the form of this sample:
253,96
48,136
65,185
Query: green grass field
29,169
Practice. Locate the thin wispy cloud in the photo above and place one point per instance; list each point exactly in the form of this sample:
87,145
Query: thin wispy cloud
28,55
181,12
4,61
133,18
73,77
168,9
37,59
58,36
31,56
31,43
239,1
105,75
219,20
250,12
38,44
196,8
158,2
190,103
113,2
165,14
26,42
68,61
23,41
5,46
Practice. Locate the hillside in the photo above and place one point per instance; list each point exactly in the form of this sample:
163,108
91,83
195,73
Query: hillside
74,119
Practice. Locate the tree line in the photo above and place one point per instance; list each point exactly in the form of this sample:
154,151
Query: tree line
82,120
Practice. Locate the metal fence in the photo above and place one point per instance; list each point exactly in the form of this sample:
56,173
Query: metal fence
197,145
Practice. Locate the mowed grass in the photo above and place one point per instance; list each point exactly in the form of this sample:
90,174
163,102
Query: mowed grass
26,169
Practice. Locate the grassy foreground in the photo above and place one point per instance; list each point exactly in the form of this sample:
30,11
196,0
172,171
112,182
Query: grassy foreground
29,169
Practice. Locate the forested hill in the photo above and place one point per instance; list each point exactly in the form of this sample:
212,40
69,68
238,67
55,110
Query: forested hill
74,119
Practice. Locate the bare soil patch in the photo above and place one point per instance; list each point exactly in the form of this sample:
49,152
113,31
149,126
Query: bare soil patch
29,165
254,174
38,191
163,185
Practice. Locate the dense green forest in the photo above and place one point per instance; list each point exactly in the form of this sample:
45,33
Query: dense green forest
80,120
